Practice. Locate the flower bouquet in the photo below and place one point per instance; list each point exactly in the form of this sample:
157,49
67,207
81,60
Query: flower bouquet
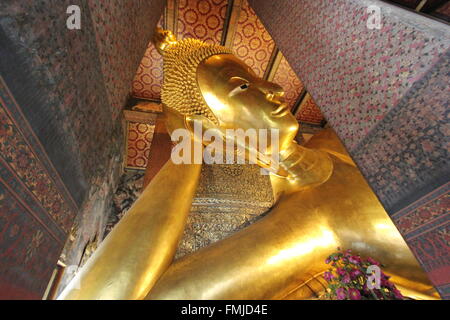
354,278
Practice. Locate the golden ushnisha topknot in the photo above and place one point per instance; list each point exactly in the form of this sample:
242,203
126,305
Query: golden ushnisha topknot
181,59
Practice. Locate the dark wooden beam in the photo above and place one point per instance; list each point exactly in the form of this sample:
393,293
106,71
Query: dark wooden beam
171,16
231,22
299,101
274,63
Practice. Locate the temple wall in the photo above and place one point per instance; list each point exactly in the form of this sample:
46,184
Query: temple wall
61,93
385,92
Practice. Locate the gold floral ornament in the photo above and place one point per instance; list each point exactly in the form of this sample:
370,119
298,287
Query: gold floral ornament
181,59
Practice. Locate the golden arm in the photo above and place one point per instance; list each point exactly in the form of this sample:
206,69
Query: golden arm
142,245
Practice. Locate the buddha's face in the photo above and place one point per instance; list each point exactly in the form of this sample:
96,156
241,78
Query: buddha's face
241,100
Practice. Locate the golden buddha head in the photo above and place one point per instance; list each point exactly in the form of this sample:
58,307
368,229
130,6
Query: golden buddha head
208,83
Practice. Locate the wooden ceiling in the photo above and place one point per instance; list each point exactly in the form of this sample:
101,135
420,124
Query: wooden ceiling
234,24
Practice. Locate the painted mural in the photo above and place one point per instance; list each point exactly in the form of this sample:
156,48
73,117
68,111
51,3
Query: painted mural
61,93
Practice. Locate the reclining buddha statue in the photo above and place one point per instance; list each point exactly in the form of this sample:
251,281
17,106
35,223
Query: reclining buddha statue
322,201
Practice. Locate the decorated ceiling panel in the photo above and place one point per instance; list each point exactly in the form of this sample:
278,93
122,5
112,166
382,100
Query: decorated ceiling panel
309,111
149,76
202,19
252,43
140,137
291,84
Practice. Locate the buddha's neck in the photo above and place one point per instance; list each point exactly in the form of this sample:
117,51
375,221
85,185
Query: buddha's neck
305,167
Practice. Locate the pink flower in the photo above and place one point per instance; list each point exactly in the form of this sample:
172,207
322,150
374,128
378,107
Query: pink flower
354,294
340,294
328,276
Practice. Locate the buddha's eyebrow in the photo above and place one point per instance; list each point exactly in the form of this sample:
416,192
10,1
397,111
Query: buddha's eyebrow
238,78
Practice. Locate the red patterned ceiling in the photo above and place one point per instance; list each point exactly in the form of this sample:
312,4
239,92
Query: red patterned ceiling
309,111
252,42
140,137
202,19
149,76
148,80
286,78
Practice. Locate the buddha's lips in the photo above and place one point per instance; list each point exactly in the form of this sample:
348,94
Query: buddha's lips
282,110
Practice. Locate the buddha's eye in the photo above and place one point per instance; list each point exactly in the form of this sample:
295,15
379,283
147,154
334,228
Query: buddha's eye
239,89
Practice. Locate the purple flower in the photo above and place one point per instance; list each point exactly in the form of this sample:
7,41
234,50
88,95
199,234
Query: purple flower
340,294
397,294
355,273
354,294
327,261
354,259
340,271
385,282
373,261
328,276
346,278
